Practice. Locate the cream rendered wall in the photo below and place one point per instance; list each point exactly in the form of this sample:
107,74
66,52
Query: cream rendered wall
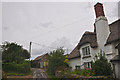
74,62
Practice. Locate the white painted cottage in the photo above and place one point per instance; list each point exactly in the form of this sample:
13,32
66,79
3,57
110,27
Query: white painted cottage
105,37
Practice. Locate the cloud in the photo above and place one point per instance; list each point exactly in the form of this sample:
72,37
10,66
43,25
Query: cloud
111,12
119,9
5,28
46,24
61,42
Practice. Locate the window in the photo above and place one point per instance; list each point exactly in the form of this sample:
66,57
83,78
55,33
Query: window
87,64
86,51
77,67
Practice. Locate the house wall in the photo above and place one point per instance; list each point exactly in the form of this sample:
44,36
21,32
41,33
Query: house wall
74,62
102,30
89,59
41,64
109,50
117,69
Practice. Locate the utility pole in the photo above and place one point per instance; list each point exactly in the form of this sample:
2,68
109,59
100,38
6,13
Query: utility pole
67,51
30,49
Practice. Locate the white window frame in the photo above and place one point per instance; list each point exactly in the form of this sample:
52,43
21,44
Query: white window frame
87,64
86,51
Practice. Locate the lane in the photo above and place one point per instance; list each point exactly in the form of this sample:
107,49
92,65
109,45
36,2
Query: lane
38,73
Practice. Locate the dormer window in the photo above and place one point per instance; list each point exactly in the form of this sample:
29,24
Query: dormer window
86,51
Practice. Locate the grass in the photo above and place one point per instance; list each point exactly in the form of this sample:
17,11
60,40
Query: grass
17,74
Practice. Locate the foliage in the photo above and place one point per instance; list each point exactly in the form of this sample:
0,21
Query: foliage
55,59
84,72
66,61
4,75
34,64
17,68
18,74
101,65
25,54
14,53
51,77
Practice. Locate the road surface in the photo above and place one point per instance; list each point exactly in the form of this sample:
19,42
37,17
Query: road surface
38,73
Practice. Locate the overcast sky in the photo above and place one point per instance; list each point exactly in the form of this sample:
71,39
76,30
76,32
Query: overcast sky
50,24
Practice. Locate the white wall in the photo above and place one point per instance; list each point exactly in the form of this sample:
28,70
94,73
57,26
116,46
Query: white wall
74,62
117,69
89,59
102,30
109,50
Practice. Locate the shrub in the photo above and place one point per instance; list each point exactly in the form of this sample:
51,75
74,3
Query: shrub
84,72
3,75
101,66
17,68
55,60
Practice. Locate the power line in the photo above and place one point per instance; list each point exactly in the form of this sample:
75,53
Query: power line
49,46
66,25
44,45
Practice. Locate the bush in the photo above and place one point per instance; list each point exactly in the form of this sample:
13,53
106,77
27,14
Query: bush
56,59
84,72
4,75
101,66
16,68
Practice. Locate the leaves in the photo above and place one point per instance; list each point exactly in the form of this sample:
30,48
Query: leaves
101,65
55,59
12,52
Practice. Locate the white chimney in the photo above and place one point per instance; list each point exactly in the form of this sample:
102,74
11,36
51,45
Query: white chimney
101,24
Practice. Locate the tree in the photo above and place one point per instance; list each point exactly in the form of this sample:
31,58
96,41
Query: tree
55,59
25,54
14,53
101,66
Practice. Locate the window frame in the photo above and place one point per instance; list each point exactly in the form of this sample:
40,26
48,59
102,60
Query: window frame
87,64
86,51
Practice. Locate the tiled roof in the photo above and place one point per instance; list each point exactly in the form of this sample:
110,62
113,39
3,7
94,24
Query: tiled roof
42,57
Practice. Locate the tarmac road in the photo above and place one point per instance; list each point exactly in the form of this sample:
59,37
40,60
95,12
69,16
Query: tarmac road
38,74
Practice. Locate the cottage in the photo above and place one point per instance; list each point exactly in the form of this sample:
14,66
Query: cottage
116,63
42,61
105,37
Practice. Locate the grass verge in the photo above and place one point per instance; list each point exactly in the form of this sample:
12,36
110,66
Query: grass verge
18,74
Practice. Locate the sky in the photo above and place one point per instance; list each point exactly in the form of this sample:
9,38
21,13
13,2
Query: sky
50,25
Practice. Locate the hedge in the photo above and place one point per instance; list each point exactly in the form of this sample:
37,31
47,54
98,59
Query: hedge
17,68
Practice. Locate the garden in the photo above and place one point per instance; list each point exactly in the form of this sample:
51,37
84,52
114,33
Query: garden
100,68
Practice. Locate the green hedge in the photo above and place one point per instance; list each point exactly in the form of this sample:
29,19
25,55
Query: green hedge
16,68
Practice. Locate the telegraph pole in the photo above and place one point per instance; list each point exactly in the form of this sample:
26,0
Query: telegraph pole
30,49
